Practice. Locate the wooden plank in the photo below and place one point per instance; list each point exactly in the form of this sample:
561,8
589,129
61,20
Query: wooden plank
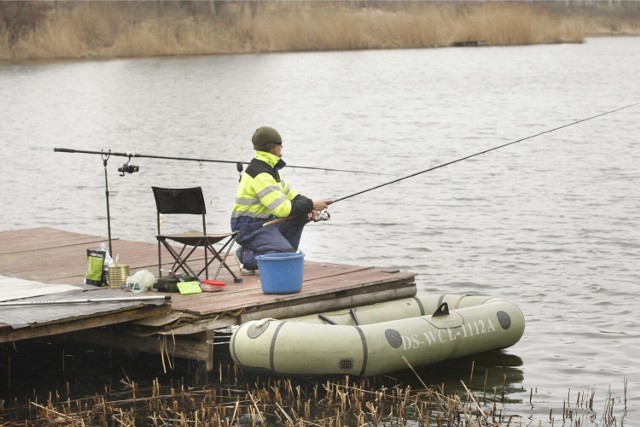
49,313
251,288
45,264
233,293
331,302
43,238
63,260
277,307
285,310
244,296
168,346
407,287
336,303
68,264
197,326
9,335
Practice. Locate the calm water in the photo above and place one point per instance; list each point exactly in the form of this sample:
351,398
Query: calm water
550,224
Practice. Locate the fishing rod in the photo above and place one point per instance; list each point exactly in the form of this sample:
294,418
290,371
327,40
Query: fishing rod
86,300
483,152
126,168
566,125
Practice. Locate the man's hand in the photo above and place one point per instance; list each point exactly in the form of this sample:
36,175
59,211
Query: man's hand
320,205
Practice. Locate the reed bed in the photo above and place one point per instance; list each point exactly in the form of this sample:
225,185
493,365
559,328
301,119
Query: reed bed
239,400
76,29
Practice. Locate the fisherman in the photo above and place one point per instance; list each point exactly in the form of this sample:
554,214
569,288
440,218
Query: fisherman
263,195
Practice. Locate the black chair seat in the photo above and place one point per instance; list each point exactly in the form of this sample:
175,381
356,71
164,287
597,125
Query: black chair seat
196,238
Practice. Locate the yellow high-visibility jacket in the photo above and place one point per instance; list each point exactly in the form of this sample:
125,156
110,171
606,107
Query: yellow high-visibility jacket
263,194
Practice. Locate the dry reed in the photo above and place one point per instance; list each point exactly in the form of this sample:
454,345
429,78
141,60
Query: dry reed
265,401
124,29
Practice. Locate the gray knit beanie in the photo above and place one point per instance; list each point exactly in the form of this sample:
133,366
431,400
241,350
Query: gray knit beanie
265,137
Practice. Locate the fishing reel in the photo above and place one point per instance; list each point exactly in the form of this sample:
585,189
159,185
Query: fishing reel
127,168
322,216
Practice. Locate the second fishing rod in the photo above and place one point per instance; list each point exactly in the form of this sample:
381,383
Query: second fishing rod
566,125
127,168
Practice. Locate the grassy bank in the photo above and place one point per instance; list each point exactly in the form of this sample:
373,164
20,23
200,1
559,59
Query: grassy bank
57,30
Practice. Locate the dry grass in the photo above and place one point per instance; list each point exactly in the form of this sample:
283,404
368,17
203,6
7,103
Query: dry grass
123,29
287,402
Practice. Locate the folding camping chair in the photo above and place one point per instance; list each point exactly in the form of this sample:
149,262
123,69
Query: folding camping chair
190,201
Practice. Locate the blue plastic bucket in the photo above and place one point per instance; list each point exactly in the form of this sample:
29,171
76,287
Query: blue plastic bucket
281,273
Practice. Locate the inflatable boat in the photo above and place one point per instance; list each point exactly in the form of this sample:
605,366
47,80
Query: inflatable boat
378,338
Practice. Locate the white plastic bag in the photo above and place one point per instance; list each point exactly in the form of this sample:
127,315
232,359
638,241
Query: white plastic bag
141,281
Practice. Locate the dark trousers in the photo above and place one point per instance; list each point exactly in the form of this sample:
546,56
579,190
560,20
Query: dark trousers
281,237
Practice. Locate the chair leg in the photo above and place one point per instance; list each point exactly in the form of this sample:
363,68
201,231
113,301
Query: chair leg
236,279
222,260
159,258
179,260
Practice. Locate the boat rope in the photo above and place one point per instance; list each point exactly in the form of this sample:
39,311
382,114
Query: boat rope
484,152
130,168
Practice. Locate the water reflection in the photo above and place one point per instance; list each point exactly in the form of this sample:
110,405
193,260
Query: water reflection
496,374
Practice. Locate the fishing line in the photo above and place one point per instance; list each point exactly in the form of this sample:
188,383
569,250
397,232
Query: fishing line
127,168
324,218
482,152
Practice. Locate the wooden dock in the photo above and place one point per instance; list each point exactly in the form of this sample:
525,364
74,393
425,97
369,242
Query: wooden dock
41,265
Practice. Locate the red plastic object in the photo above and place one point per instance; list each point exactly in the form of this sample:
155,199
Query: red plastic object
212,285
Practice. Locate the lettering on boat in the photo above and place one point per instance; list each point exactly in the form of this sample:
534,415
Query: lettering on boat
441,336
346,363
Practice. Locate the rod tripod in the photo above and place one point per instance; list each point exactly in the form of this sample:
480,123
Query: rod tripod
105,159
126,168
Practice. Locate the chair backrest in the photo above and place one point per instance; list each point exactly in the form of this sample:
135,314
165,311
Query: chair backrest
179,200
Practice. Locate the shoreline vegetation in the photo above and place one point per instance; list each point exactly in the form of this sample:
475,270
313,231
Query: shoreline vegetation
334,402
54,30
